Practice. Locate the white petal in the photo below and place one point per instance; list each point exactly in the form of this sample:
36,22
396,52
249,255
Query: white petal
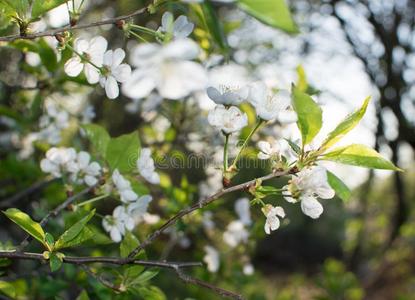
73,66
145,54
167,21
90,180
214,94
97,47
91,73
81,45
311,207
122,73
117,57
83,159
108,57
115,235
185,49
111,87
140,84
179,79
265,147
128,195
262,155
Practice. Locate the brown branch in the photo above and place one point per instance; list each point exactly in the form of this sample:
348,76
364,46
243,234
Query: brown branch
80,260
203,203
53,32
54,213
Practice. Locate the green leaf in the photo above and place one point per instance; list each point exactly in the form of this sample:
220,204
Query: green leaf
128,244
151,292
40,7
345,126
360,155
66,239
86,234
83,296
122,152
302,83
309,115
47,56
143,277
294,146
19,6
50,241
55,262
26,223
215,28
98,137
271,12
341,189
7,289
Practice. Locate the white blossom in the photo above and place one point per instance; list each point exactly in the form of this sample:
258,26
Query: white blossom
113,72
306,186
145,165
267,105
228,120
93,51
167,68
212,259
117,223
242,208
123,186
268,150
272,213
248,269
227,95
235,234
138,209
179,28
56,159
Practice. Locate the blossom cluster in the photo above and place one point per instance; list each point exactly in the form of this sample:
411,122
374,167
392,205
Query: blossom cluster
77,166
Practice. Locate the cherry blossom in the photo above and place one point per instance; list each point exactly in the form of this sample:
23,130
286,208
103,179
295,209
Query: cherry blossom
123,186
212,259
113,72
167,68
145,165
242,208
268,105
227,95
179,28
92,53
272,213
235,234
309,184
228,120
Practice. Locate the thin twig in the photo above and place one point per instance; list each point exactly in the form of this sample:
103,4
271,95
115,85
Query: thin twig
53,32
203,203
81,260
54,213
224,293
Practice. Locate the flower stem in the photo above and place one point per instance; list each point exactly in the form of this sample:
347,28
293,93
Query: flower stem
93,200
138,36
143,29
225,152
245,143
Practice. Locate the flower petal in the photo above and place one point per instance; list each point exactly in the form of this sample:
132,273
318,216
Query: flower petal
111,87
140,83
73,66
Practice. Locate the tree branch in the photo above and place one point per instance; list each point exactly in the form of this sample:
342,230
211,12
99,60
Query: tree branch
203,203
54,213
53,32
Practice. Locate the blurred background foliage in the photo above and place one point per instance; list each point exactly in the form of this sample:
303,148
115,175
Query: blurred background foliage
362,249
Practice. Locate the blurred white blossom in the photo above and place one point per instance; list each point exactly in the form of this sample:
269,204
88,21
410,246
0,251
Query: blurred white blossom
235,234
242,209
212,259
145,165
228,120
168,68
179,28
123,187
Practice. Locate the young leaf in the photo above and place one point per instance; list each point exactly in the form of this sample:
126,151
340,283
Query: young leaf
271,12
50,241
342,191
83,296
7,289
69,235
294,146
122,152
40,7
212,23
309,115
144,277
360,155
98,137
26,223
55,262
302,83
345,126
85,235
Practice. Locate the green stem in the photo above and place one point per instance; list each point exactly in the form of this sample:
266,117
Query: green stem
225,152
138,36
143,29
245,143
93,200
